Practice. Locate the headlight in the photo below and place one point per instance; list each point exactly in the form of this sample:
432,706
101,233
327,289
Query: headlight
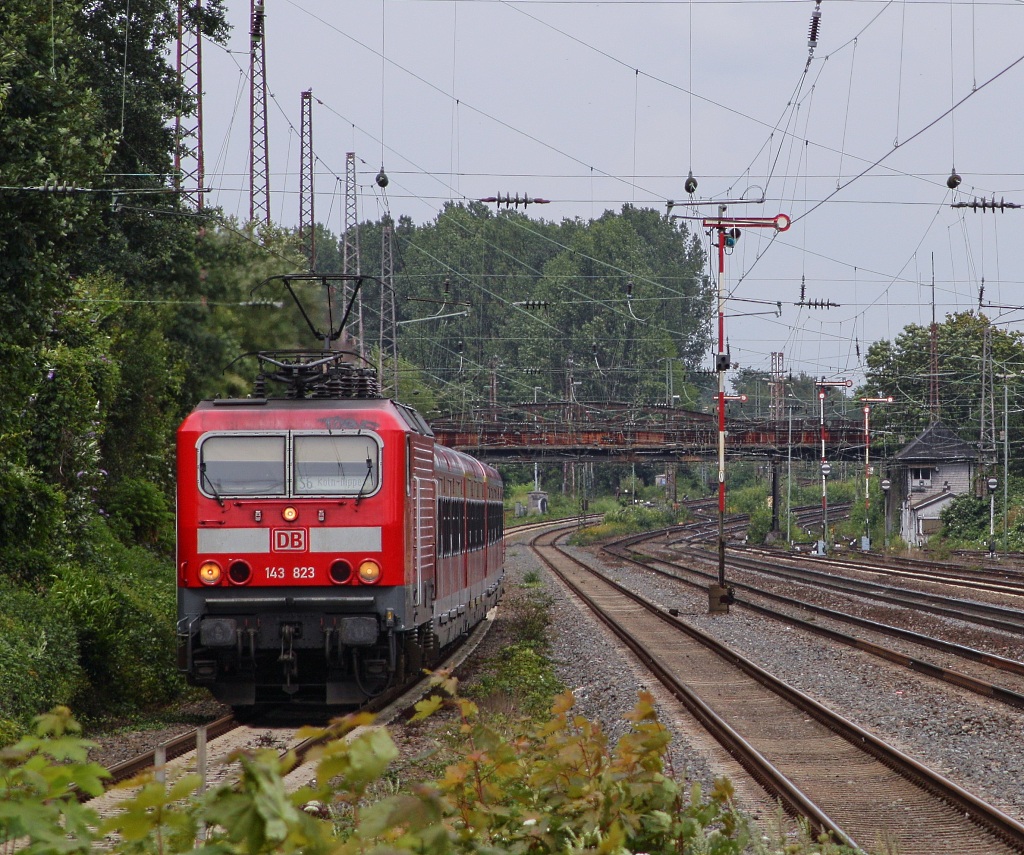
369,571
210,573
290,514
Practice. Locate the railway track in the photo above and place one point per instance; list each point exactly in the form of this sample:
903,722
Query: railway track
842,778
983,614
997,580
815,571
754,597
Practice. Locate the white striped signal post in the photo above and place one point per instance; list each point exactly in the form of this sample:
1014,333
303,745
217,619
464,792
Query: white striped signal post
882,399
826,467
729,230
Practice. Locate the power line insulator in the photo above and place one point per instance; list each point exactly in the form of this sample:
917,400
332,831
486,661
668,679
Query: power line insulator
812,36
510,201
984,204
818,304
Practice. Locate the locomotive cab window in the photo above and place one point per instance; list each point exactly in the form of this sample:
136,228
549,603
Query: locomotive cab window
335,465
289,465
242,465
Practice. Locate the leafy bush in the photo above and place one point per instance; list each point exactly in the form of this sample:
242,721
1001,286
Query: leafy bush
521,676
31,518
558,786
38,660
139,514
521,679
965,519
631,519
124,617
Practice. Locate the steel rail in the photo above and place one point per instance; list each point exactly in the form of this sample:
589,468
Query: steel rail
999,824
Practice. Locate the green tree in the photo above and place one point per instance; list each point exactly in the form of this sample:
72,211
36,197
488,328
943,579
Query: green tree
621,307
52,134
902,368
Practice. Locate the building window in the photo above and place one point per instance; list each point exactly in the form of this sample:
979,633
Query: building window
920,477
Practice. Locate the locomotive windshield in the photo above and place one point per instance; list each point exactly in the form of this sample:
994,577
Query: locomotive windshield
259,465
243,465
328,465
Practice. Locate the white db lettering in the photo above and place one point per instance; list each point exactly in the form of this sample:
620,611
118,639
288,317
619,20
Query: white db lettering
289,540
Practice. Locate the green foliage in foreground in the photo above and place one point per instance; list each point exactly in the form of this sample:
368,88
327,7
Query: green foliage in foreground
555,787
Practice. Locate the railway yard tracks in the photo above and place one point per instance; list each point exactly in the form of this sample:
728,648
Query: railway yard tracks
820,765
1005,676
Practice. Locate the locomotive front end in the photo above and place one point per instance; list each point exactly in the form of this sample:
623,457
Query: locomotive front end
292,550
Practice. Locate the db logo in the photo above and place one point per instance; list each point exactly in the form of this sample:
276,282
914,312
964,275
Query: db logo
289,540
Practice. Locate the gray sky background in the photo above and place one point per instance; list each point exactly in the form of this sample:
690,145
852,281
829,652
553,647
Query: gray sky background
596,104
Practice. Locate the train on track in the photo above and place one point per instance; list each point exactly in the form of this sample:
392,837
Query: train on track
327,547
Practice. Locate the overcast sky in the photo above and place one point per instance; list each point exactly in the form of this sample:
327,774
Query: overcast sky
596,104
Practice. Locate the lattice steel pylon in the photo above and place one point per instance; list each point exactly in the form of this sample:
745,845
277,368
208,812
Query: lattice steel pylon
307,217
388,341
987,432
189,171
778,386
350,245
259,154
933,360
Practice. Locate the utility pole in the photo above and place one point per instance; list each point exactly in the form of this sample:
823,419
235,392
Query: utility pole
536,467
307,217
259,155
992,483
189,168
987,432
728,231
886,486
789,479
933,364
1006,460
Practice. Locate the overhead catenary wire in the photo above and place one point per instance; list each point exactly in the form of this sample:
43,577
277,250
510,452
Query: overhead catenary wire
781,162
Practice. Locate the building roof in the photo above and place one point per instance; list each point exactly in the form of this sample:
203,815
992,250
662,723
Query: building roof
937,443
941,498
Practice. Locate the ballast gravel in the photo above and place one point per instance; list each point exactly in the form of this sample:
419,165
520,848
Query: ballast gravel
974,741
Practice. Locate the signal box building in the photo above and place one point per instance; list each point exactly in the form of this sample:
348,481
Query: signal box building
931,471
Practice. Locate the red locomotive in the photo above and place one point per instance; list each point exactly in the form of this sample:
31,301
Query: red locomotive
327,547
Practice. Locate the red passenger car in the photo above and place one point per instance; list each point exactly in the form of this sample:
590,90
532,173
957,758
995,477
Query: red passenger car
327,547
